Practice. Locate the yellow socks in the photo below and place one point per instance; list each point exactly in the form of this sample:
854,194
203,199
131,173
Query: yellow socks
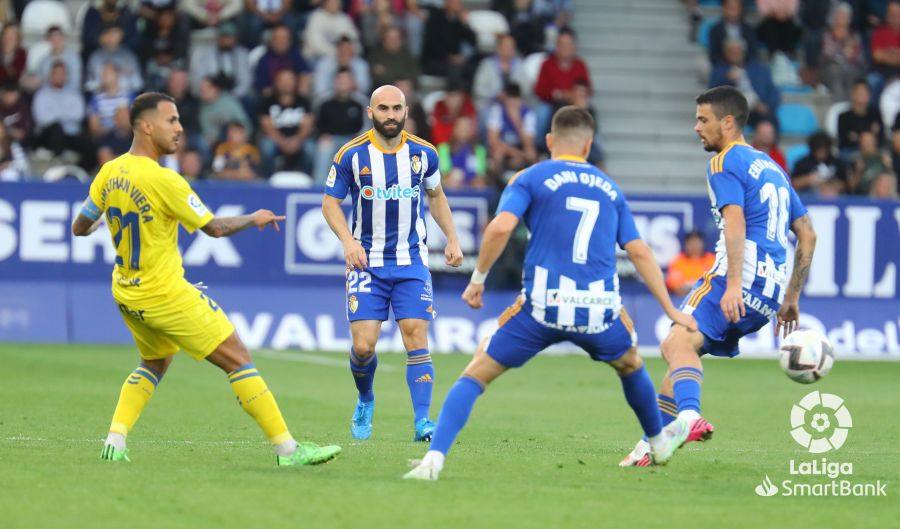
254,396
135,394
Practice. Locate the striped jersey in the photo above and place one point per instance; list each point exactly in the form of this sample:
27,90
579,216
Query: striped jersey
387,189
744,176
576,215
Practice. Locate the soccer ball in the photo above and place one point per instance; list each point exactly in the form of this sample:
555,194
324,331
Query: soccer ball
806,356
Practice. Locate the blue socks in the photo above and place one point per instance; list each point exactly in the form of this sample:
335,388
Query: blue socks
363,370
457,407
686,385
668,409
641,396
420,379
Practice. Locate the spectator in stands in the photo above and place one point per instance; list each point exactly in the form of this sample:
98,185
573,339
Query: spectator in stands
821,170
217,109
752,78
107,13
392,60
12,55
377,16
149,10
455,103
731,27
859,118
112,50
15,113
13,160
777,31
496,70
511,130
463,160
868,163
842,59
59,52
281,54
815,16
104,104
885,186
117,140
527,30
260,15
415,111
689,265
558,74
236,158
326,25
345,57
895,149
581,98
190,165
886,44
168,34
188,106
286,123
765,139
225,60
447,33
338,119
58,114
211,13
553,14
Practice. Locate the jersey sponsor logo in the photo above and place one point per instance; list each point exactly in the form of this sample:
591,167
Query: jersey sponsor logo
415,164
197,205
778,274
332,176
581,298
394,192
758,305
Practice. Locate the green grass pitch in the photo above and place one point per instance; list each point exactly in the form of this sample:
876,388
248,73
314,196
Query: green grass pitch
540,450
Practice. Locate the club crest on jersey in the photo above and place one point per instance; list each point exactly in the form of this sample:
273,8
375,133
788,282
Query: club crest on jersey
415,163
394,192
353,304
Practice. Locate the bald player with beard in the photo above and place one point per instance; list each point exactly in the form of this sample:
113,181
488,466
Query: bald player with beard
385,171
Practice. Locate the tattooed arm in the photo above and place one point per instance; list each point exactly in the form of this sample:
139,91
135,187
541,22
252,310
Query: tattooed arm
806,245
226,226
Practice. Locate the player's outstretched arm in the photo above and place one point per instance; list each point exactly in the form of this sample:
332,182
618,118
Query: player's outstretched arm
226,226
496,236
354,253
732,302
440,210
645,264
789,313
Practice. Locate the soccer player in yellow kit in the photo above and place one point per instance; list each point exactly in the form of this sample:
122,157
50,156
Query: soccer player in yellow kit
143,204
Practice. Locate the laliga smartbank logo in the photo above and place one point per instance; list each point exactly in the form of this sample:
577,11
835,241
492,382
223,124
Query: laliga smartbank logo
820,423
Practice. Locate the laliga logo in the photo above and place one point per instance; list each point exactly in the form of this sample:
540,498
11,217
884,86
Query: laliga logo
394,192
814,416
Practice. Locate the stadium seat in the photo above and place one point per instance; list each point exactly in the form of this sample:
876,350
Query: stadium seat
291,179
831,117
797,119
80,15
430,100
41,14
487,25
531,68
61,172
36,53
255,55
794,154
703,32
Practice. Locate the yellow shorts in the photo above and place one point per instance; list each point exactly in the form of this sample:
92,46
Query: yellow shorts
185,319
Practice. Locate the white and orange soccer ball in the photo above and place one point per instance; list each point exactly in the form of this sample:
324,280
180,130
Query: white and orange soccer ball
806,356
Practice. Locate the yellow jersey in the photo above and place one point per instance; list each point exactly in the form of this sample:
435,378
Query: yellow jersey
144,203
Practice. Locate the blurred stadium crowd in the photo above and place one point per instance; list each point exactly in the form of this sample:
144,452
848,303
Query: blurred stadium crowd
270,89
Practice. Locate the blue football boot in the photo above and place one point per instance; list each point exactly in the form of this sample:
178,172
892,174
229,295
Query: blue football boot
361,424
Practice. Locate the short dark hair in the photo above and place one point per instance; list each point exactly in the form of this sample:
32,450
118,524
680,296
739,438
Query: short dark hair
819,140
862,82
570,119
694,234
145,102
726,101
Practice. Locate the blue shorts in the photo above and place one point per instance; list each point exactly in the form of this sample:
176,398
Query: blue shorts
520,337
720,336
405,289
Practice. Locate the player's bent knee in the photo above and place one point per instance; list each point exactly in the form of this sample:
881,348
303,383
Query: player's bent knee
363,349
628,363
230,354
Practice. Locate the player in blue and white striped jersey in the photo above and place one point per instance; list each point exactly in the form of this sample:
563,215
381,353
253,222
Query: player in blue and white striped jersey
387,172
576,215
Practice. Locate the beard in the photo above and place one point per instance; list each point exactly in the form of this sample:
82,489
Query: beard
396,127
